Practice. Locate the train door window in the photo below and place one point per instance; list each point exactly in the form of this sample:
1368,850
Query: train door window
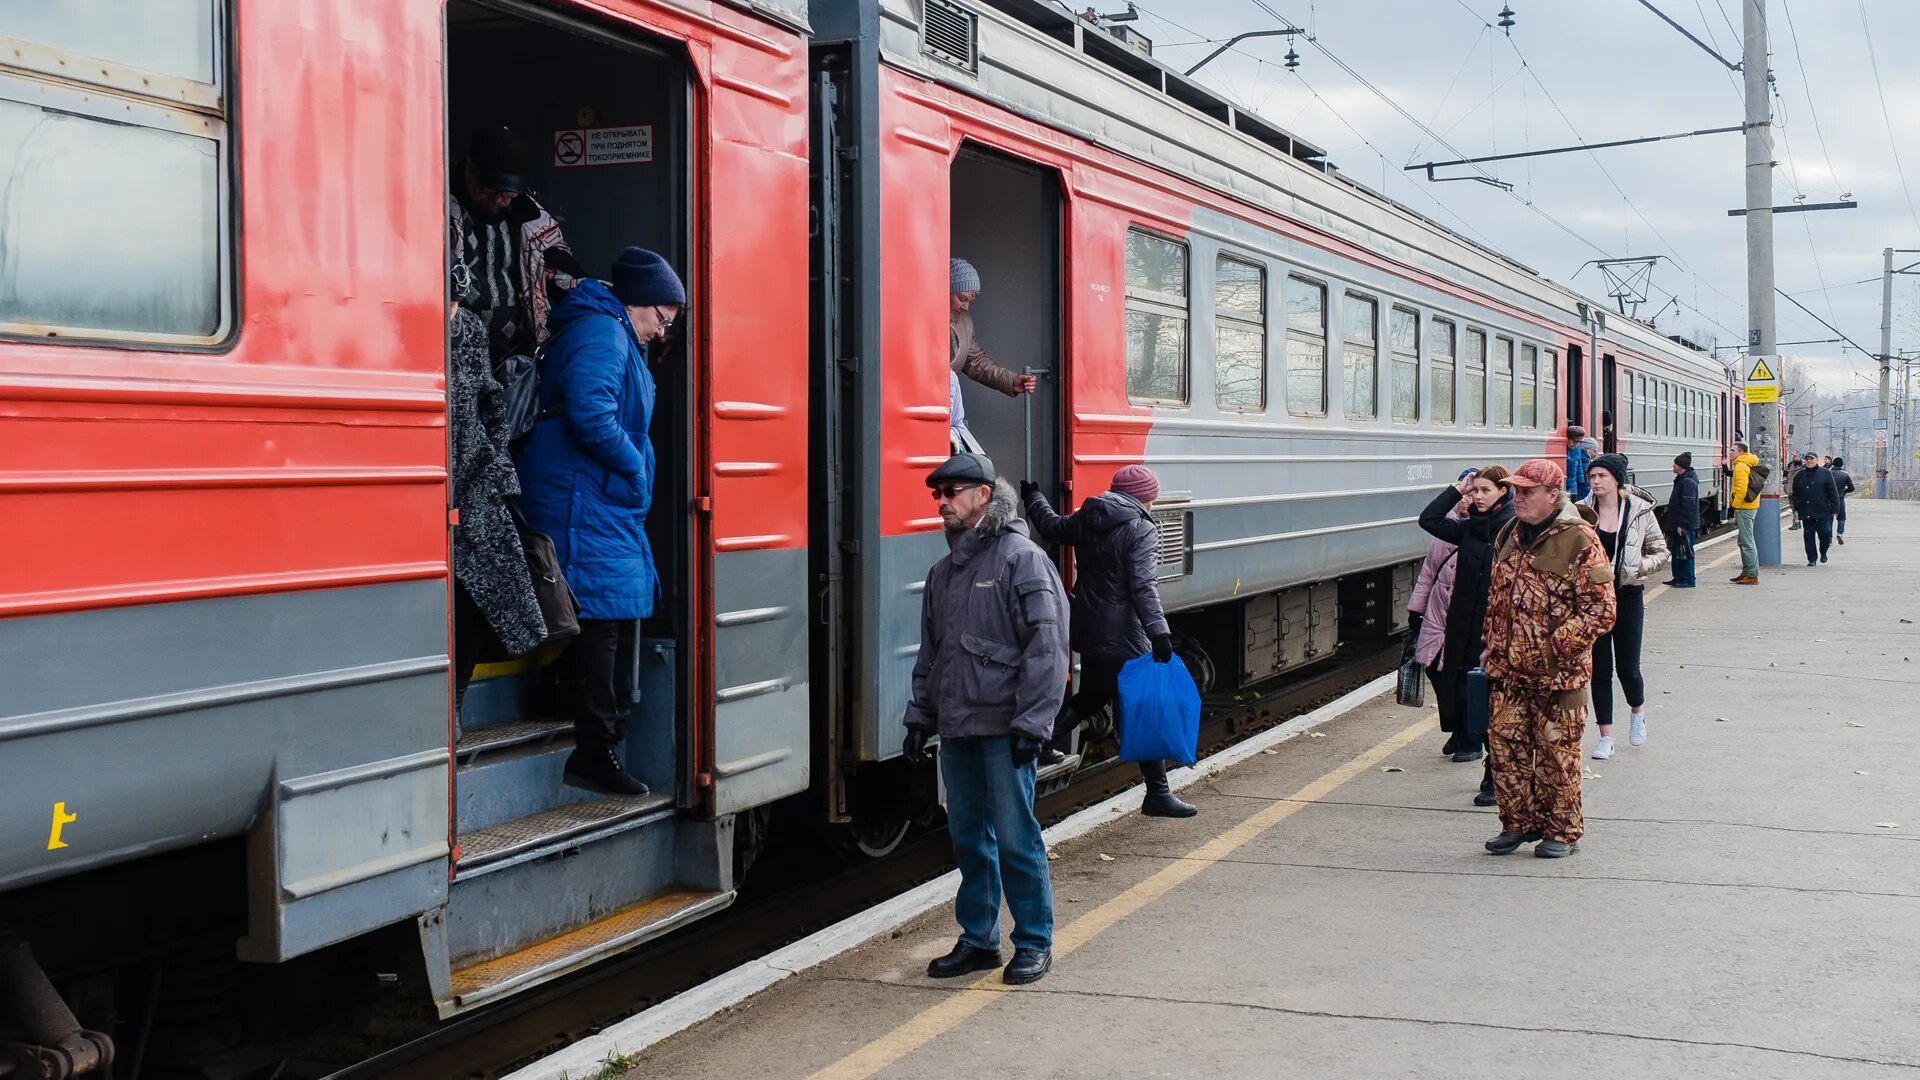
1005,219
1306,347
118,204
1637,387
1672,396
1440,370
1360,356
1475,387
1157,314
1239,334
1550,391
1502,382
1576,385
1404,340
1529,407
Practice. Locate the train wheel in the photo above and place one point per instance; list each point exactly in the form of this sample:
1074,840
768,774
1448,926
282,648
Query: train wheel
1199,664
869,836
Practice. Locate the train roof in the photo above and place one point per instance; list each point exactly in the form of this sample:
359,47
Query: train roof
1041,60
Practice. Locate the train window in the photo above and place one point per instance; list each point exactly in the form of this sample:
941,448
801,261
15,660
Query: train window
1404,339
1528,413
1157,314
1360,353
1550,390
1306,347
1239,334
1639,391
1475,386
117,205
1440,372
1503,382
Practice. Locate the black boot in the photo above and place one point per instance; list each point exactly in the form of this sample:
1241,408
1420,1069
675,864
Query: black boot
962,959
595,765
1509,842
1028,966
1453,744
1160,800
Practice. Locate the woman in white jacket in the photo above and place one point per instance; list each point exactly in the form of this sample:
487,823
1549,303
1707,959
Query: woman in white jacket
1631,534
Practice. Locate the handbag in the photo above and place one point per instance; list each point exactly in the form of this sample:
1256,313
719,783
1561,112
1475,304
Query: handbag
557,606
1412,687
1479,711
1159,711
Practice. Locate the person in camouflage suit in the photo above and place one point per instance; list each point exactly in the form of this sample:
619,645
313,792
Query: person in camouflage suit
1550,599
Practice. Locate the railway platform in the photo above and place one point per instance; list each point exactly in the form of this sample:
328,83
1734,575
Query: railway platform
1744,903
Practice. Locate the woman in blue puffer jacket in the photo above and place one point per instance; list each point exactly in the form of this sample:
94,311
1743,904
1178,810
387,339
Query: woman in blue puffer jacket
587,475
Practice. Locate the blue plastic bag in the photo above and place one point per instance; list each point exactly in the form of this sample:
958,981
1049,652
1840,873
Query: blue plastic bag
1159,712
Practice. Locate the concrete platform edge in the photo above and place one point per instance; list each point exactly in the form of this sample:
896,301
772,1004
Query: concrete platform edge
644,1029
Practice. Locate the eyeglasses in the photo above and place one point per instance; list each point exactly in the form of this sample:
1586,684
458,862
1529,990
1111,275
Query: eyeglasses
951,492
666,320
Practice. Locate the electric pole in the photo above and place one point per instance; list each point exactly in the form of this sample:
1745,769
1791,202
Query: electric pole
1886,363
1760,329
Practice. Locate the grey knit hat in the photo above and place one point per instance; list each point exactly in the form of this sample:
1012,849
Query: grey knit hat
962,277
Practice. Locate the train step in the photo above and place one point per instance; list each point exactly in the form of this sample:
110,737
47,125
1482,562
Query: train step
484,740
555,830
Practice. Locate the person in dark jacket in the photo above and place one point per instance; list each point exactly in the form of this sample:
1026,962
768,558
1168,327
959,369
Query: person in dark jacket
507,251
1492,508
588,471
1816,499
1116,602
1683,520
1844,481
989,679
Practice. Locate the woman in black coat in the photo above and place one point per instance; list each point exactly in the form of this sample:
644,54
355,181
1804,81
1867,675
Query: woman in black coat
1491,509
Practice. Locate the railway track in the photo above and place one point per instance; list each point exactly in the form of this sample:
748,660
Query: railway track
494,1041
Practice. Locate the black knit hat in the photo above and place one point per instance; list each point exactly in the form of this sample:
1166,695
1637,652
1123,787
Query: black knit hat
1613,463
642,277
500,159
1685,460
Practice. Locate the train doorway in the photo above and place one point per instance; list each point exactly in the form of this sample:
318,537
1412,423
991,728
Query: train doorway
605,118
1006,221
1609,404
1576,386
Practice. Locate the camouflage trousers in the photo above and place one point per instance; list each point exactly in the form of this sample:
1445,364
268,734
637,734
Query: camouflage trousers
1533,745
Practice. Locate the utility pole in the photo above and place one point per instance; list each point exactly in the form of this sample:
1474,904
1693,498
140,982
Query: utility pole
1880,439
1760,327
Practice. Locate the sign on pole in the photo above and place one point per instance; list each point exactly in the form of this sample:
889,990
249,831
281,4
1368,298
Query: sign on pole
1879,440
1763,382
1879,425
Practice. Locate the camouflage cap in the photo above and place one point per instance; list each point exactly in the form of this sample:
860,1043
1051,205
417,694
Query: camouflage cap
1539,472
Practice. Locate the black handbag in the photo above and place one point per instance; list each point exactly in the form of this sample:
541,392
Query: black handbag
1412,687
519,379
1479,712
557,605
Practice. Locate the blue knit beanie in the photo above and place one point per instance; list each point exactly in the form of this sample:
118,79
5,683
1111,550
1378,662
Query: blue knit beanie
642,278
962,277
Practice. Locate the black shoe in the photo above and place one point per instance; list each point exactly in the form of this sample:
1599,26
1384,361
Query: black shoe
1841,540
1471,753
1049,757
1670,583
1554,849
1453,745
1160,800
1823,556
1028,966
1509,842
595,766
963,959
1485,798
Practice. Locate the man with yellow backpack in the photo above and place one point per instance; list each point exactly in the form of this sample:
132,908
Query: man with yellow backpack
1749,476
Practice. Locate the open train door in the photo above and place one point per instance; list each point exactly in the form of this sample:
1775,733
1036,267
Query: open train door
1609,427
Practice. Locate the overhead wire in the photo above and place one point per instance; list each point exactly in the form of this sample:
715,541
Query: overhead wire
1886,116
1806,87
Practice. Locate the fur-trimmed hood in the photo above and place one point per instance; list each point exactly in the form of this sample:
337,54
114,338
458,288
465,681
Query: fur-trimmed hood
1003,515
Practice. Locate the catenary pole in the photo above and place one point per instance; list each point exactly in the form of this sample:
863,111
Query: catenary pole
1761,422
1886,365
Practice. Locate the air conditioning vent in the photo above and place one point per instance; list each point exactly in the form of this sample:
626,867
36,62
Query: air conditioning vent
949,33
1174,550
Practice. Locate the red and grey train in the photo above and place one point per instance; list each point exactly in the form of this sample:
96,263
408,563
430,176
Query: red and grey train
227,755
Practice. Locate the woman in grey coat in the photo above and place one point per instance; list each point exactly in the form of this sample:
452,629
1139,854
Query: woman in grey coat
1116,602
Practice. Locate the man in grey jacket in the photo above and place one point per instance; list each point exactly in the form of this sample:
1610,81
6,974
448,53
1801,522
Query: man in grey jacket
990,677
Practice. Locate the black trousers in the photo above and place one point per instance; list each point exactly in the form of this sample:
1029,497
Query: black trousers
598,677
1618,652
1820,530
471,634
1099,685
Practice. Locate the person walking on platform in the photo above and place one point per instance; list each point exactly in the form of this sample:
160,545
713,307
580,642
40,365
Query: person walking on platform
1116,603
1793,468
1746,509
990,678
1582,448
1816,499
966,357
1683,521
1630,535
1488,508
1844,481
1552,598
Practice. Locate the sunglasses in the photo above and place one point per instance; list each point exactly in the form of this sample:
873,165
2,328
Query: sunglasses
950,492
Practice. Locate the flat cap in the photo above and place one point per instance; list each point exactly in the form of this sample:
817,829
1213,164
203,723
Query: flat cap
963,469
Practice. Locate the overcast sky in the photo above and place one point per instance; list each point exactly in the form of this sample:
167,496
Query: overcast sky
1618,72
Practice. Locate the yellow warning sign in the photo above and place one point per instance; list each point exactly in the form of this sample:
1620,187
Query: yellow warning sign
1760,372
1762,393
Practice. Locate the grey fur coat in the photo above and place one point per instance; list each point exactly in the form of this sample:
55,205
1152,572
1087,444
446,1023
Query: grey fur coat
487,557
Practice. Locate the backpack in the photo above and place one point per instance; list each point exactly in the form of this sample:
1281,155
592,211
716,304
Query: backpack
1757,476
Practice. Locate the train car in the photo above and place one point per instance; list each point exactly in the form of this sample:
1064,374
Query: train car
223,452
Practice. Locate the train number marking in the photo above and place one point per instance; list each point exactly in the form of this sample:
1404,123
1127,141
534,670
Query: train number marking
61,819
1423,471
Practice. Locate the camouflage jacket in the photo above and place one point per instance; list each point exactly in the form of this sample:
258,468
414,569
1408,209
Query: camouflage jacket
1547,604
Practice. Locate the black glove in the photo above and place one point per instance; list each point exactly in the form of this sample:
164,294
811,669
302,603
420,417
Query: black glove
1162,648
1414,619
915,746
1028,488
1025,749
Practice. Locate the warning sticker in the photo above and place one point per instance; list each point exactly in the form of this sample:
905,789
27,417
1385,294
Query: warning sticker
1763,385
627,145
1761,372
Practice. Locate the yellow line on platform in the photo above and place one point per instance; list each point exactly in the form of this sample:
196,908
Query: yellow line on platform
980,993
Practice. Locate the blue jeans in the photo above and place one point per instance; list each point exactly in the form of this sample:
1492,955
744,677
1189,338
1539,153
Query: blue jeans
996,842
1683,558
1819,537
